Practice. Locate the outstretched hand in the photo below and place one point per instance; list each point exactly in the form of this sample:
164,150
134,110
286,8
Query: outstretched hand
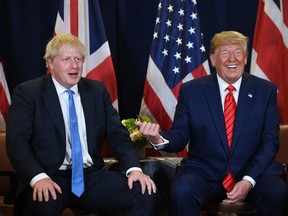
150,131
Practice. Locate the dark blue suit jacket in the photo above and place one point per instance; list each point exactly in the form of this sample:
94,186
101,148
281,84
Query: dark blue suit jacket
199,121
36,132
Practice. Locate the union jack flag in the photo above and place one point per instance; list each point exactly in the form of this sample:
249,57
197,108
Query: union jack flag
177,56
83,19
270,49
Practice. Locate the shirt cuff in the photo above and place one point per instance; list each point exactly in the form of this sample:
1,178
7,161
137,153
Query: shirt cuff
251,180
37,178
133,169
160,146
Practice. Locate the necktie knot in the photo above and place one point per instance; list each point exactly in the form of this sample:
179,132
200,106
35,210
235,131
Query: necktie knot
70,93
230,88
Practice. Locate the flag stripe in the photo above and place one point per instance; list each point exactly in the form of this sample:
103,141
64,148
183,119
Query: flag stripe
100,73
154,103
74,17
4,98
269,53
285,14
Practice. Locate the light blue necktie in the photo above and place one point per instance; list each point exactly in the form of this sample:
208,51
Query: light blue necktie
77,160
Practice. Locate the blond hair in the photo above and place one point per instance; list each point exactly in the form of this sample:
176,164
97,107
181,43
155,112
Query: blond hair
62,41
228,37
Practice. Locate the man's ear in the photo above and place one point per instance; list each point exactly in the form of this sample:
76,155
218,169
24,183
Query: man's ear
49,63
212,59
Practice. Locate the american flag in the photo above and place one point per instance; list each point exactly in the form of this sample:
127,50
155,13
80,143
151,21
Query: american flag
83,19
269,54
177,56
4,98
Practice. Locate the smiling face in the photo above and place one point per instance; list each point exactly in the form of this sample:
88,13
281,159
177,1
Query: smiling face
66,67
229,61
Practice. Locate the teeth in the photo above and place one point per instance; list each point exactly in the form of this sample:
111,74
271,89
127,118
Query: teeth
231,66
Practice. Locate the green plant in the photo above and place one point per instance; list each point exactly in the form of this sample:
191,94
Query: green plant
137,138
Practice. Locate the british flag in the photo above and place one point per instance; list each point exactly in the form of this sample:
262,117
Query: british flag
270,49
177,56
83,19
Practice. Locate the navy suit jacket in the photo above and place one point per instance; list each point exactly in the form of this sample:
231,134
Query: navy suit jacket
199,122
36,132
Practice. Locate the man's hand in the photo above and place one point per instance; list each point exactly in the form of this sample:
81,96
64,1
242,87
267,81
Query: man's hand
150,131
239,192
145,181
43,187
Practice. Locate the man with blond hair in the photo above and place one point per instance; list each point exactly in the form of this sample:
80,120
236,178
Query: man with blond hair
61,119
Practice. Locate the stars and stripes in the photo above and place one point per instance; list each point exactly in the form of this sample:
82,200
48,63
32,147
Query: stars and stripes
270,53
177,55
4,98
83,19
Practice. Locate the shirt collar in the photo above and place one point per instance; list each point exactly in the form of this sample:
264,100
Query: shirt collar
223,85
60,89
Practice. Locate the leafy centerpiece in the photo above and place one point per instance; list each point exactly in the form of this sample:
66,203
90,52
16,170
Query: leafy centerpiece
140,142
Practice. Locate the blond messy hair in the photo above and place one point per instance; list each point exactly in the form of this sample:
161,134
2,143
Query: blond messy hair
228,37
61,41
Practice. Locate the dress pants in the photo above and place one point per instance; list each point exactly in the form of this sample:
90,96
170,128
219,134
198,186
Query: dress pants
105,192
190,192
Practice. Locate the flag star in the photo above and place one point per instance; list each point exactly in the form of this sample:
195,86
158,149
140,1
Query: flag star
168,23
170,8
165,52
179,41
188,59
189,45
202,48
157,20
167,38
193,16
192,30
195,2
178,55
181,12
159,5
155,35
176,70
180,27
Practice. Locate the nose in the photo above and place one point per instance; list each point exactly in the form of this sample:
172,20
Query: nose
73,63
231,56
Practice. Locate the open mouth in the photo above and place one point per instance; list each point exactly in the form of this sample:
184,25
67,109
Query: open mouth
73,74
232,67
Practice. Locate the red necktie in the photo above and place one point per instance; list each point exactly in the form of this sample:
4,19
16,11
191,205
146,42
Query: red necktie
229,117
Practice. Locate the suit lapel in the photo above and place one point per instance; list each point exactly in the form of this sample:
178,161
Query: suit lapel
213,98
245,101
51,101
88,104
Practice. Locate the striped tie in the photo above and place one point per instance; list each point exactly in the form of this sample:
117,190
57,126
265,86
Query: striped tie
229,114
229,117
